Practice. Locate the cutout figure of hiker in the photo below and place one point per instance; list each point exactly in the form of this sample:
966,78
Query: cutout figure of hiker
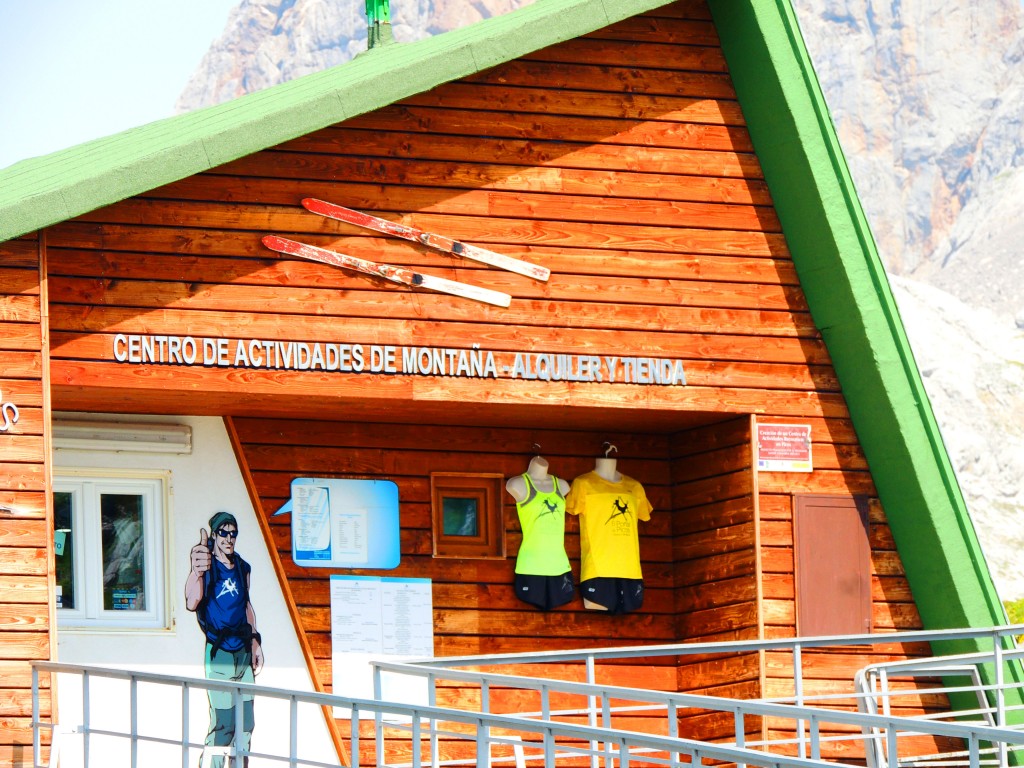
217,590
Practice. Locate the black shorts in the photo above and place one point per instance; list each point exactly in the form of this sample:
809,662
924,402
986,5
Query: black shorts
545,592
617,595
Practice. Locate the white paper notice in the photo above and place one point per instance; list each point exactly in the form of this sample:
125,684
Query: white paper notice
350,529
311,518
379,618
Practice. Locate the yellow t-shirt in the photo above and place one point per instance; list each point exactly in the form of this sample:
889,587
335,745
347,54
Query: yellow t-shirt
608,512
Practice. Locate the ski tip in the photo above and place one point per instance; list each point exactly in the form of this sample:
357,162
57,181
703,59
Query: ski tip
270,241
307,202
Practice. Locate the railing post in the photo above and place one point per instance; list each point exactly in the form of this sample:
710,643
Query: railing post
184,724
37,747
417,743
133,703
892,749
741,731
673,727
606,723
483,745
378,720
293,730
239,725
85,719
815,741
435,750
798,689
1000,679
592,706
353,729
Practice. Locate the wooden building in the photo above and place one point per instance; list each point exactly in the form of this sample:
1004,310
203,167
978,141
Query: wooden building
672,163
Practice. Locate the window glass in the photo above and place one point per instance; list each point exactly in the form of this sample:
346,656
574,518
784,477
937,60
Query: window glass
461,517
64,549
124,553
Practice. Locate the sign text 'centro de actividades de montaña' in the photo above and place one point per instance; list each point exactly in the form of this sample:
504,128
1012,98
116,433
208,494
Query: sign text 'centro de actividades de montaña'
276,355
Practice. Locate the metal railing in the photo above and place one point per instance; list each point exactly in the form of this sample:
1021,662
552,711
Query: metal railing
883,686
588,720
487,734
818,724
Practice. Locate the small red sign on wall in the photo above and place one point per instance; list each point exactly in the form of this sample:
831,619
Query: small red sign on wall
784,448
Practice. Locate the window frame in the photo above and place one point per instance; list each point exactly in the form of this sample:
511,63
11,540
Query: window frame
87,486
485,488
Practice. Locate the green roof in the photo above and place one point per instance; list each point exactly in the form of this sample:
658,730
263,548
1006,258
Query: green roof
828,236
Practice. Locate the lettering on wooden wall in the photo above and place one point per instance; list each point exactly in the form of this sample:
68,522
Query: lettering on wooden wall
390,359
8,414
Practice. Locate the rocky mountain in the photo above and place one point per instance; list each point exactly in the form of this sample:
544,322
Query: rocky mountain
972,363
928,101
272,41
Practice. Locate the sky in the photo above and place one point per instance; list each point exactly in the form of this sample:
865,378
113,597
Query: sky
68,67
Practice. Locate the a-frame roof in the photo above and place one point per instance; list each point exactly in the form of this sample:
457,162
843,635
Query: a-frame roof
827,233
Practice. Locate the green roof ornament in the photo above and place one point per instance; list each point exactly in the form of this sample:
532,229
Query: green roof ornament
378,16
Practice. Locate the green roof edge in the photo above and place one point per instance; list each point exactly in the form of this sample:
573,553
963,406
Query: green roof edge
42,191
852,304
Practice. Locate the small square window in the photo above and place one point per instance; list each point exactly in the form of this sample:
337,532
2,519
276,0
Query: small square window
467,515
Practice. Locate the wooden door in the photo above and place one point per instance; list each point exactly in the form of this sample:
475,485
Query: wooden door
833,565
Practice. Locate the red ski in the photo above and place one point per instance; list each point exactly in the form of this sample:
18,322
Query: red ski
387,271
439,242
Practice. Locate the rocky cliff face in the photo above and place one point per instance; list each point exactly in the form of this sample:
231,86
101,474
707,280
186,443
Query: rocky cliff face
928,101
972,364
271,41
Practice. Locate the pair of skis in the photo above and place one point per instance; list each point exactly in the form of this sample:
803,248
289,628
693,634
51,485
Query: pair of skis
400,274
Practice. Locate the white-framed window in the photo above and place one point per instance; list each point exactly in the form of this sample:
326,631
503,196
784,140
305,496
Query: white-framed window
109,534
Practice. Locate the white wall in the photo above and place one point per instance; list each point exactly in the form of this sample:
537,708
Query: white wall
203,482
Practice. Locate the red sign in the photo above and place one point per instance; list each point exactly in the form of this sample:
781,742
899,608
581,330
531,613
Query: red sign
784,448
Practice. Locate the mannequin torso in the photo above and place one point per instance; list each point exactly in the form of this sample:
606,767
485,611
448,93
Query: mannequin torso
605,469
542,481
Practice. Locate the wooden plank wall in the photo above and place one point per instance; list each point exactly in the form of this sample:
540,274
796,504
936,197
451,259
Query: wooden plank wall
839,469
475,608
25,526
715,552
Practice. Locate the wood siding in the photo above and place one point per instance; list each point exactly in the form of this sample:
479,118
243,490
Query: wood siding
715,555
637,185
26,591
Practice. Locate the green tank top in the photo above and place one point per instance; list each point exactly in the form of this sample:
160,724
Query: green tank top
542,518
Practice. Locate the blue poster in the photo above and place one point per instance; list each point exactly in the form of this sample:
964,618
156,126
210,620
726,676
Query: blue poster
344,523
